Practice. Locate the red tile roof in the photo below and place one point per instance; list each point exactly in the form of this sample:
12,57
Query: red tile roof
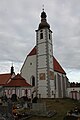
4,78
57,66
18,80
73,85
33,52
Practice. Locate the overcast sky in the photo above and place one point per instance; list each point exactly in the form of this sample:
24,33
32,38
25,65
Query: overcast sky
20,18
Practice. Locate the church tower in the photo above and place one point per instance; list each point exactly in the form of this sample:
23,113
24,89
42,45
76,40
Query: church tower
44,59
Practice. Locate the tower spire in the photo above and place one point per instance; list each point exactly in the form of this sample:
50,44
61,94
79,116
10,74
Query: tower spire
43,23
12,69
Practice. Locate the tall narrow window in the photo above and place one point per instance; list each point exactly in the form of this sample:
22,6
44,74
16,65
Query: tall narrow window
49,36
41,35
52,92
33,81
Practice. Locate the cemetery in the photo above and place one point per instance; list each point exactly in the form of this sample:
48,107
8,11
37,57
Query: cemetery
47,109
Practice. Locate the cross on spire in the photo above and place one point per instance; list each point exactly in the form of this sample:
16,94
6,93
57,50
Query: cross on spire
43,7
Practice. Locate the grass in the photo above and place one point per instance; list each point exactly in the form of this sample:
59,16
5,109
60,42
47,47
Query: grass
60,105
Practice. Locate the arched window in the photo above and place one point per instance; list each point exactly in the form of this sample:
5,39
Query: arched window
52,92
49,36
41,35
33,81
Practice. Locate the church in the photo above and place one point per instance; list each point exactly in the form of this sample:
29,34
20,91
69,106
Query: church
41,69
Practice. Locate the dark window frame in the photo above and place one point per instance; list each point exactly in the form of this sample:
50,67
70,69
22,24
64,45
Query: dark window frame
41,35
33,81
49,36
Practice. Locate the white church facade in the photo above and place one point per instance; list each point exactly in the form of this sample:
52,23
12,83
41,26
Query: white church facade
41,69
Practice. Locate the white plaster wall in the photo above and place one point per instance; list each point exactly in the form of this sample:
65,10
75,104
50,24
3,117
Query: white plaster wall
42,83
66,82
56,91
18,91
42,90
52,83
50,49
62,84
41,49
41,61
57,94
73,89
29,70
52,88
51,62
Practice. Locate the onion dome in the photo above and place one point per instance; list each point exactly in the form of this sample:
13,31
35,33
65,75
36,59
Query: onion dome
43,23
